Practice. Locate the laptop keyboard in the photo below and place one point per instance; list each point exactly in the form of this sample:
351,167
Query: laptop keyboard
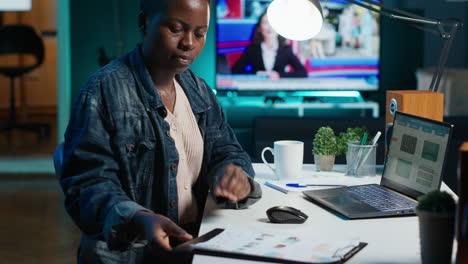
380,198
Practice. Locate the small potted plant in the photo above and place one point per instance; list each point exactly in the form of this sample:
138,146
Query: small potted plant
436,212
352,134
324,148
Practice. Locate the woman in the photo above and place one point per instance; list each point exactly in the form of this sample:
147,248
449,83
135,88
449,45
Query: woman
268,54
146,142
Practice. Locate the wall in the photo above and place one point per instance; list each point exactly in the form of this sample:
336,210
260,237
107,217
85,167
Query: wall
205,66
405,49
64,68
36,91
440,9
93,27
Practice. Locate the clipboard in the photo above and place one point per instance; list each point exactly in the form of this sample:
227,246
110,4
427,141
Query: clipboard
188,248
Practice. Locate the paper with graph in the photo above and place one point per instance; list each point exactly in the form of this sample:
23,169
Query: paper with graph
280,245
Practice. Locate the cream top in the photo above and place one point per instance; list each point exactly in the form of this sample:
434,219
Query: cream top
189,143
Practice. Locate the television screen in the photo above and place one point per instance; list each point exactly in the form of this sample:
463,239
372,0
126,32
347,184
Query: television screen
15,5
252,57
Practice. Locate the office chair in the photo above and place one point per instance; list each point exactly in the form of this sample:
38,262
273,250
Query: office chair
58,160
21,40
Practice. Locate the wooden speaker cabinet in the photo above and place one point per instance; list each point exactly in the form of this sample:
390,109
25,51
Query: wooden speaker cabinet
415,102
462,210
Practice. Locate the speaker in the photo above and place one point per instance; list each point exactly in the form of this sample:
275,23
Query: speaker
462,209
415,102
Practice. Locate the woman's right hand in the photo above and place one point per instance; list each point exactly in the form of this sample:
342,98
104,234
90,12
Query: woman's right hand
157,229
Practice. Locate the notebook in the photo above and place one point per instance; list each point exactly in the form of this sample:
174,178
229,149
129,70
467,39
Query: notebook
414,166
277,247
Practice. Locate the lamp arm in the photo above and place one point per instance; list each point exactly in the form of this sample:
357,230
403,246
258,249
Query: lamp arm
415,20
442,60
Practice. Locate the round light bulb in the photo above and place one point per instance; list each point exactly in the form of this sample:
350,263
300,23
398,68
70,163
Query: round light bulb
295,19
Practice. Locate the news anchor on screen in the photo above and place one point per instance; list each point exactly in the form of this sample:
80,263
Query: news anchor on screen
268,54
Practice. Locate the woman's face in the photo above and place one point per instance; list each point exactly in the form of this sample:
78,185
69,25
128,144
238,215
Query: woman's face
266,29
174,39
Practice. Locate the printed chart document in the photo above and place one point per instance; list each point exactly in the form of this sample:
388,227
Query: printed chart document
274,246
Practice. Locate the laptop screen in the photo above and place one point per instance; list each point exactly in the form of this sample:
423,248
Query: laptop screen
416,156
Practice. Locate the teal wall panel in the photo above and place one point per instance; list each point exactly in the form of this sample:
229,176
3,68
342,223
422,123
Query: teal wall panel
205,66
93,25
63,69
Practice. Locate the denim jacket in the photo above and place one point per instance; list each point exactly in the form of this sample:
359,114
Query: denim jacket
119,157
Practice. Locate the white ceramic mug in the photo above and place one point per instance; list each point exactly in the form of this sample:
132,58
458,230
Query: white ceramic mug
288,155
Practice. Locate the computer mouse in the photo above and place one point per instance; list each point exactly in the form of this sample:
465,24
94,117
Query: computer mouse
286,215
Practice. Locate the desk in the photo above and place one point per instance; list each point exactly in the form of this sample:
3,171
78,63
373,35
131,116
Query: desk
391,240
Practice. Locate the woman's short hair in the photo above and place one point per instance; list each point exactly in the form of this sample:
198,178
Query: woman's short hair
150,7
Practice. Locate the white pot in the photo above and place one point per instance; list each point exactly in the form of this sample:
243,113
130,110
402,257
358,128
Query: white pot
324,162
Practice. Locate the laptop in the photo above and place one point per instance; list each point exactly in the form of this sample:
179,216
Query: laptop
414,166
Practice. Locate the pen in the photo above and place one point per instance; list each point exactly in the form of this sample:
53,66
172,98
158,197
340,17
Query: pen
364,138
373,142
298,185
376,138
271,185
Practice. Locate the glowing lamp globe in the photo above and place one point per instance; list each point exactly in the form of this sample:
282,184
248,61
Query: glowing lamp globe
295,19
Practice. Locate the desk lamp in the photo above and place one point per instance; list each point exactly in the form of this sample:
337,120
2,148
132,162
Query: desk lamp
302,19
13,5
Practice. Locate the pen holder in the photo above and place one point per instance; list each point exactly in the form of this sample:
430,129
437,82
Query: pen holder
360,159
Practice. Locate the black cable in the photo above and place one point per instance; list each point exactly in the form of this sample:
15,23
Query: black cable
444,57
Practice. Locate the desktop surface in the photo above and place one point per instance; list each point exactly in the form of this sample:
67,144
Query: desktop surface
390,240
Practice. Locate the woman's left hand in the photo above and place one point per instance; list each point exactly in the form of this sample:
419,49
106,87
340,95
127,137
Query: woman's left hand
272,75
234,186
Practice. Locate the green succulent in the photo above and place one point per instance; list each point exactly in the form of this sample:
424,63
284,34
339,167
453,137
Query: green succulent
436,201
351,134
325,142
